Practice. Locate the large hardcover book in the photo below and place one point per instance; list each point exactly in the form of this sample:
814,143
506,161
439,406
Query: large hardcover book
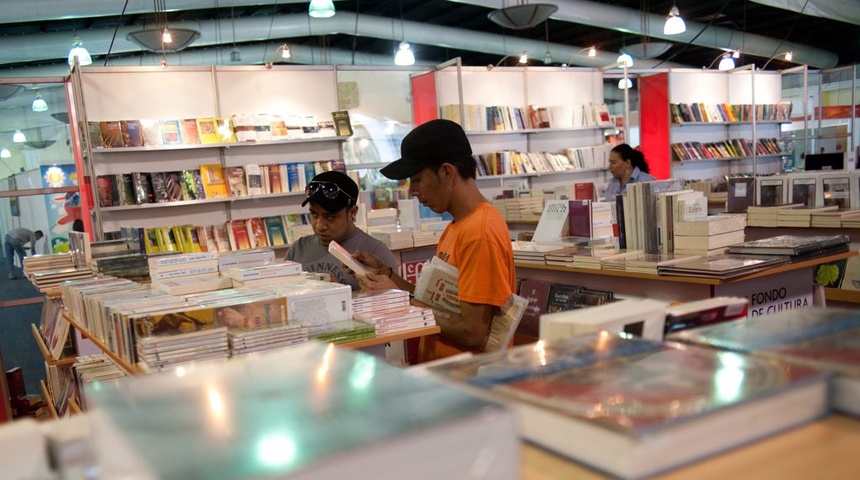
823,338
159,425
189,134
111,134
791,244
132,136
635,408
723,266
741,194
553,223
214,184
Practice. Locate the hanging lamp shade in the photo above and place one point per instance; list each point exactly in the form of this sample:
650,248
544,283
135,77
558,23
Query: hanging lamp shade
82,54
674,23
321,9
152,39
726,63
39,104
520,17
404,55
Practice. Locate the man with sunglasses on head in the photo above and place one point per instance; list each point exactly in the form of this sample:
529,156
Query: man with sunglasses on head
332,203
437,159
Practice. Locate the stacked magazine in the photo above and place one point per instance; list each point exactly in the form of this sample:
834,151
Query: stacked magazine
245,341
389,311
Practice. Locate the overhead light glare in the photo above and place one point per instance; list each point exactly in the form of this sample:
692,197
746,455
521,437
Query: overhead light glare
736,54
592,52
321,9
524,58
285,51
80,53
19,137
789,56
674,23
166,37
5,153
404,55
39,104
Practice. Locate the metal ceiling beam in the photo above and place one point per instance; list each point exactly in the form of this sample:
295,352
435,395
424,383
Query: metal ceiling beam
847,11
630,21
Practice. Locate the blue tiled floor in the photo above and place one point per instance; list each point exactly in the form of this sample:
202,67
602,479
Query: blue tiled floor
16,340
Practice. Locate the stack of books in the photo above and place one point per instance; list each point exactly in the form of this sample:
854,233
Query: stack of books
48,282
707,236
246,258
245,341
187,272
133,266
165,352
835,219
393,322
379,301
382,220
642,262
723,266
423,239
800,217
342,331
767,215
523,209
795,246
91,369
44,263
394,240
261,275
531,252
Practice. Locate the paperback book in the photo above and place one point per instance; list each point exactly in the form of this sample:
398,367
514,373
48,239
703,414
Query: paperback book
792,245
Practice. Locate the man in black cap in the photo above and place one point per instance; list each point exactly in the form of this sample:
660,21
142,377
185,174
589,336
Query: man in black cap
333,206
437,159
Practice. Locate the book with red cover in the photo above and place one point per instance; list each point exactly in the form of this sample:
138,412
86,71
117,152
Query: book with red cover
189,133
257,232
274,178
579,218
635,408
583,191
537,293
240,238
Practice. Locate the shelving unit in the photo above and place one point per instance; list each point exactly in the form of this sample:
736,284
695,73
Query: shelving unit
743,86
117,93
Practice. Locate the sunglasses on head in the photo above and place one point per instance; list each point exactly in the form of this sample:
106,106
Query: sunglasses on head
329,190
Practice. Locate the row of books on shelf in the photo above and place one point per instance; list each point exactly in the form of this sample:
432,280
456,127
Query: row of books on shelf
727,112
208,181
482,118
511,162
216,130
732,148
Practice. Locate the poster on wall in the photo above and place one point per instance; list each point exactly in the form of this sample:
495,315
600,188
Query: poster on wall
63,208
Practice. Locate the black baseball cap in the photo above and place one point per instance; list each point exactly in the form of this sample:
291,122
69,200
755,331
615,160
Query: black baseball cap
332,190
430,143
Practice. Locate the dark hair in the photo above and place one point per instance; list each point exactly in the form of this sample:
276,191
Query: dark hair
78,225
466,167
635,157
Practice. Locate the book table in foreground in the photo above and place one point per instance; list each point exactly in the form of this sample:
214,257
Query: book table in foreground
796,278
826,449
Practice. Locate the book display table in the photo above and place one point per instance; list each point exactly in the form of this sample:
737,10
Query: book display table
793,282
823,449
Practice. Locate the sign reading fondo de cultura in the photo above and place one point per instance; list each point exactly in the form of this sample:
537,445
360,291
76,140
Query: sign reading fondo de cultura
773,293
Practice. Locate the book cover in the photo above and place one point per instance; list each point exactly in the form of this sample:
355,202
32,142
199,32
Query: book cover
142,188
741,194
723,266
240,237
277,234
111,134
221,235
188,132
192,181
561,297
274,178
708,311
825,338
158,186
224,129
802,190
553,223
537,293
151,131
236,185
599,398
710,225
132,136
254,179
790,244
106,189
214,184
207,130
170,132
257,232
837,191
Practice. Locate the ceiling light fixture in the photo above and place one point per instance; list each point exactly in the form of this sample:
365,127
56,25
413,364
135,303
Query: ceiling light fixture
625,59
788,56
404,55
522,15
80,54
726,62
39,104
625,83
321,9
286,54
19,137
674,23
523,59
592,52
5,153
161,38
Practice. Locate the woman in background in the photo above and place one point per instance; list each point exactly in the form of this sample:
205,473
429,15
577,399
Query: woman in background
626,166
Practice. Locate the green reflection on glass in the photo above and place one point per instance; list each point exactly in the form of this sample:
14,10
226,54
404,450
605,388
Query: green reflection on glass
362,372
276,450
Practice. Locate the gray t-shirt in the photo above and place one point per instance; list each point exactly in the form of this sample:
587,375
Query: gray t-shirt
314,256
22,236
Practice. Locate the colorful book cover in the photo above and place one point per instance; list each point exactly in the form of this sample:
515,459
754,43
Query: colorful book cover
221,235
132,136
224,128
240,237
189,134
170,132
207,129
158,186
111,134
537,294
142,188
236,181
790,244
277,234
105,187
561,297
151,130
173,187
214,184
257,232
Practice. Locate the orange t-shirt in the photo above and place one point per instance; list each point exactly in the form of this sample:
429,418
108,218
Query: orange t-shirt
479,245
